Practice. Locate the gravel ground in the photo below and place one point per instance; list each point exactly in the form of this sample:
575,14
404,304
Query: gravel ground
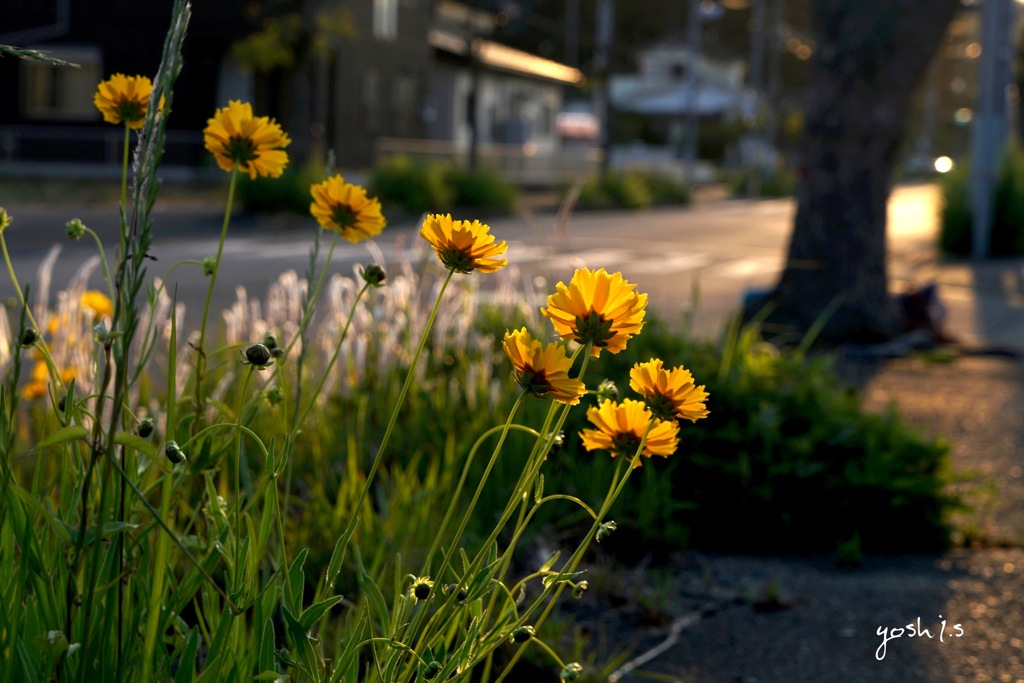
742,619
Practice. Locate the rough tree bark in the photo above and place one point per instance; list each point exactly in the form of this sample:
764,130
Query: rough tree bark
870,57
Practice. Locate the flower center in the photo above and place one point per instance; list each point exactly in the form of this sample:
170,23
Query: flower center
625,444
534,382
593,329
344,216
130,110
240,150
456,260
661,406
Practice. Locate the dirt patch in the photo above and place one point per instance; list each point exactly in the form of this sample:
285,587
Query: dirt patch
789,619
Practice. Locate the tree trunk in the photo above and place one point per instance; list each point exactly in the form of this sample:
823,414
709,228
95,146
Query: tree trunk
870,57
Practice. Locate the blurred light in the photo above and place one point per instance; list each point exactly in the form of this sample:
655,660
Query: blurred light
803,52
744,4
501,19
957,86
530,149
963,116
943,164
973,50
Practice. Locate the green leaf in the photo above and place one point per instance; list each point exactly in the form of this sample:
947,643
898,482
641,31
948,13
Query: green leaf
348,655
187,664
338,556
266,656
316,612
136,442
308,660
63,435
296,579
368,588
58,527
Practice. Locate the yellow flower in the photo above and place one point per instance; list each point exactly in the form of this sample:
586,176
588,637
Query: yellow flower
346,209
41,380
621,426
669,392
464,246
253,144
597,308
542,370
97,303
124,99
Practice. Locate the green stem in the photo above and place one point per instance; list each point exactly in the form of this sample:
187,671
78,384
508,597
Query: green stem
301,419
238,476
124,175
350,529
573,561
103,262
201,349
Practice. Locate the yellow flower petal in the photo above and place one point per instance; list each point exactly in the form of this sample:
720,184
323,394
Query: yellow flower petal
124,99
254,145
621,426
597,308
669,392
542,370
463,246
345,209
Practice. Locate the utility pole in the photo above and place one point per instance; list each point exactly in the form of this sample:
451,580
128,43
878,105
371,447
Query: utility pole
572,32
693,36
604,34
988,133
755,81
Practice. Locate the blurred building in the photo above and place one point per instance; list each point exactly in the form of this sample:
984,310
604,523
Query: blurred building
364,78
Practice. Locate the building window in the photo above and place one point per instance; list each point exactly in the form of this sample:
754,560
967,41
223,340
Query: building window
60,92
385,19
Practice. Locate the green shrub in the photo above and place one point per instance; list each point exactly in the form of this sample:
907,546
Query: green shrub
1007,238
786,460
777,182
619,190
480,189
420,186
955,215
289,193
664,188
412,186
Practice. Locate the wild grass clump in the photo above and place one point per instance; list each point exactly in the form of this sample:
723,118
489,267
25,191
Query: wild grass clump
417,186
306,494
1007,236
633,189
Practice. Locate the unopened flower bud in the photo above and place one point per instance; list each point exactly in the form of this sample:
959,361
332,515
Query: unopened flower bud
605,530
523,634
5,219
607,390
270,341
209,263
62,403
258,356
374,275
579,589
174,452
145,428
76,228
430,673
274,395
29,337
460,593
570,672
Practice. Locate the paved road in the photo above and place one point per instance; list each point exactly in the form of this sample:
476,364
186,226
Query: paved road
724,247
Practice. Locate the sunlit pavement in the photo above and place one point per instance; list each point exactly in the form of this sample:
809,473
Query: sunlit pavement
700,259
